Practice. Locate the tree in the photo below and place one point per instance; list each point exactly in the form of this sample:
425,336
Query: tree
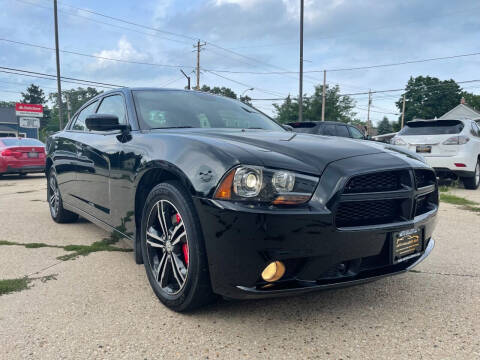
472,100
33,95
76,98
219,91
429,97
337,107
7,104
384,127
288,111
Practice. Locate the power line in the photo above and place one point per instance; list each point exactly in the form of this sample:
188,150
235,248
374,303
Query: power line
243,84
53,77
95,56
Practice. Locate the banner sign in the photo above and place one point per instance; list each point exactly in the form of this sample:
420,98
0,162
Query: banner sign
29,110
29,122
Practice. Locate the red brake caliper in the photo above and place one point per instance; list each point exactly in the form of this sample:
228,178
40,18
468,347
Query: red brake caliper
184,245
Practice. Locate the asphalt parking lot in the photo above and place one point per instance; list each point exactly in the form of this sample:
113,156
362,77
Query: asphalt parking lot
101,305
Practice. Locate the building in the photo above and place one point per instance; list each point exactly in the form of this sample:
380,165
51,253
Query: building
9,125
461,112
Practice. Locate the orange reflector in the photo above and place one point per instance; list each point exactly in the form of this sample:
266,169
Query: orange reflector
224,191
291,199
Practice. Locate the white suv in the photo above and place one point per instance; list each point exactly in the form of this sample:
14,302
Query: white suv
451,147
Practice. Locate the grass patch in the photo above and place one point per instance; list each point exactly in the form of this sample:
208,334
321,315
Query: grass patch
464,203
443,188
457,200
13,285
8,286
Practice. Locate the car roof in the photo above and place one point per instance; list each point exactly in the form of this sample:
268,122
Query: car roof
319,122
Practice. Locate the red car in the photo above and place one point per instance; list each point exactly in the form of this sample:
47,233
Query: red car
21,156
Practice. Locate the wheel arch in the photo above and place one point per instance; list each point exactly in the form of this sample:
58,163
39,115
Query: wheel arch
153,176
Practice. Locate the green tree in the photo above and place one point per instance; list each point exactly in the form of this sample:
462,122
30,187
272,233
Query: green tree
7,104
472,100
33,95
219,91
288,111
76,98
337,107
384,126
429,97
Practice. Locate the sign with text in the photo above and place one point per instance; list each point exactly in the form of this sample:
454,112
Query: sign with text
29,110
29,122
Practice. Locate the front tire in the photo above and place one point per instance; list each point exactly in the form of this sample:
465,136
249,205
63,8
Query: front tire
472,183
173,249
55,203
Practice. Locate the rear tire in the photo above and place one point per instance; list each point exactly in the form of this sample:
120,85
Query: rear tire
178,277
55,203
472,183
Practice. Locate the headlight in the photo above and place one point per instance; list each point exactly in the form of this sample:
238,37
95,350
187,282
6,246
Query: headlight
256,184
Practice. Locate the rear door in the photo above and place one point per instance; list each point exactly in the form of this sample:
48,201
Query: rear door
97,151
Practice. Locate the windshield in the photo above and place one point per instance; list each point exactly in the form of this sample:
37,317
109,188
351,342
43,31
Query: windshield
21,142
157,109
436,127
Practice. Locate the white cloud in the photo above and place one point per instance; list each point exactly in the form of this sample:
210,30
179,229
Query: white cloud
313,9
124,51
241,3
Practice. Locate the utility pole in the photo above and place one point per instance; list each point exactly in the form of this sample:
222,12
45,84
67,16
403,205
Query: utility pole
300,90
59,85
188,78
368,112
403,112
199,48
323,93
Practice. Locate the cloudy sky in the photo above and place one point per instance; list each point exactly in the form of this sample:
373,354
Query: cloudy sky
256,36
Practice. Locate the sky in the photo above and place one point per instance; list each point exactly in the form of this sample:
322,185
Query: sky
244,38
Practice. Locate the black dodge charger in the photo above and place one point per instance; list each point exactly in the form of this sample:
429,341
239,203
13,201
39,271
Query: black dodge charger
217,198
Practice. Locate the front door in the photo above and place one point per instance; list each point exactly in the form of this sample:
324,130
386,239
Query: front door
98,152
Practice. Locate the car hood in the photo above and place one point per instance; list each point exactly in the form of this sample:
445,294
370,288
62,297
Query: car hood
293,151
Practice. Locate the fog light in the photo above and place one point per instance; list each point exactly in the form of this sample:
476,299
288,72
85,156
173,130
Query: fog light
274,271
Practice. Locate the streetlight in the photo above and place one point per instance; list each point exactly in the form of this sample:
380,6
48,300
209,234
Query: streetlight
300,90
251,89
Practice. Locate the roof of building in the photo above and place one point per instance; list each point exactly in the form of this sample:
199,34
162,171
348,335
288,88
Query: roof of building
8,115
461,112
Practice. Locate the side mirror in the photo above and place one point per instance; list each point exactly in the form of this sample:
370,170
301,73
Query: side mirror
287,127
104,122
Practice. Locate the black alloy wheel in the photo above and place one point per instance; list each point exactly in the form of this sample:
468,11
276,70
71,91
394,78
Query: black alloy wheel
173,250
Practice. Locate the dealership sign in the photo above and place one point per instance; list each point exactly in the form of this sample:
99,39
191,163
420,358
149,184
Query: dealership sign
29,110
29,122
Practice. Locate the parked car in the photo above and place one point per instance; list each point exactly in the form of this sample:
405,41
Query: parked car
330,128
217,198
21,156
451,147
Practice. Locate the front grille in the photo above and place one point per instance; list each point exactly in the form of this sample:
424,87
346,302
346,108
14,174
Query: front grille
375,212
376,182
424,177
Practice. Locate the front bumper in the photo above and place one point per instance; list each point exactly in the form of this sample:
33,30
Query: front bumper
24,169
241,241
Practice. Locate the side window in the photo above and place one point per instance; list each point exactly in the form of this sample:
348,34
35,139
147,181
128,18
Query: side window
355,133
329,130
342,131
79,123
113,105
